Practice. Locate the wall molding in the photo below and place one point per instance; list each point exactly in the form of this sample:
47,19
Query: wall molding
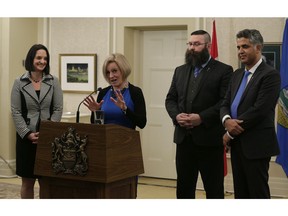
7,168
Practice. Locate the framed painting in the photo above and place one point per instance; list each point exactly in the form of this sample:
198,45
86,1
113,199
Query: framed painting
272,54
78,72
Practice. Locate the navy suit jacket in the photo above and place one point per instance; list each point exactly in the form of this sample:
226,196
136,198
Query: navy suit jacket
257,110
209,95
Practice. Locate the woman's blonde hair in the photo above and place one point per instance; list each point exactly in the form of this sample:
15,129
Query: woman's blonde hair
121,62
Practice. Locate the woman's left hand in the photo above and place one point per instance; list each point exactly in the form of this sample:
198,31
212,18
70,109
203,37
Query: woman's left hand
119,100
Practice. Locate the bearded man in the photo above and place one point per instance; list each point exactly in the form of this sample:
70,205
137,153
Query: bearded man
193,103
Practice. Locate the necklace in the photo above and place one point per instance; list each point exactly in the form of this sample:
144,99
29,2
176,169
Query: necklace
36,81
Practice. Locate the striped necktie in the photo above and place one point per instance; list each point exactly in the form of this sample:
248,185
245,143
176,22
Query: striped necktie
239,94
197,71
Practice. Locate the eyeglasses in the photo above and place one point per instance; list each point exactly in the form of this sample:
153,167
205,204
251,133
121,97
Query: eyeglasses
196,44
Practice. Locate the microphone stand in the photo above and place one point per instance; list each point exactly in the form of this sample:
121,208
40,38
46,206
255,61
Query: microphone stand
78,112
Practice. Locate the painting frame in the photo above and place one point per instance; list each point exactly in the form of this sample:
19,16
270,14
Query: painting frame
78,72
272,55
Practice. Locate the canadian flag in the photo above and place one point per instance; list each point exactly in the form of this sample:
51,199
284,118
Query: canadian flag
214,54
214,47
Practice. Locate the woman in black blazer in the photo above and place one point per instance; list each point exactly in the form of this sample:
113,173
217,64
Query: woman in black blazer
122,102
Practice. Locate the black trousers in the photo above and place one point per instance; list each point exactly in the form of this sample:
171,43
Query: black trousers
192,159
250,176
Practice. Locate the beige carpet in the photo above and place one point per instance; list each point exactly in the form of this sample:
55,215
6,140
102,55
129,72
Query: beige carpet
148,188
12,191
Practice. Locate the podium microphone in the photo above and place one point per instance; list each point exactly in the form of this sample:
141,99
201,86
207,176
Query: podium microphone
78,112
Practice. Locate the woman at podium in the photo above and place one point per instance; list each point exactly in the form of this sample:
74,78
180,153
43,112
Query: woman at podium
123,103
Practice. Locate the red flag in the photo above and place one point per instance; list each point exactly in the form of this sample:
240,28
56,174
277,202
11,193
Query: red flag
225,162
214,54
214,47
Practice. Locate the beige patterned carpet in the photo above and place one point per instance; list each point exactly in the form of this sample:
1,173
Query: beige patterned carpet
12,191
148,188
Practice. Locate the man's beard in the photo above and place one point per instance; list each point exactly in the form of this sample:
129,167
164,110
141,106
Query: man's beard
196,59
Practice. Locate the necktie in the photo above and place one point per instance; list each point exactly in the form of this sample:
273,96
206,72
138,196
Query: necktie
197,71
238,96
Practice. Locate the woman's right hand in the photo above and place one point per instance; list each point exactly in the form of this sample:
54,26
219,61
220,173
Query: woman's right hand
91,104
33,137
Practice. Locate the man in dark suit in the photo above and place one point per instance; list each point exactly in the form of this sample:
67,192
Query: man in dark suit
249,120
193,103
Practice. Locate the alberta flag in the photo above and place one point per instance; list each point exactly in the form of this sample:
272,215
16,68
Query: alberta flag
282,120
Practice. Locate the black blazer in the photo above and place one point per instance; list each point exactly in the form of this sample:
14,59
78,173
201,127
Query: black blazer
210,93
257,110
138,117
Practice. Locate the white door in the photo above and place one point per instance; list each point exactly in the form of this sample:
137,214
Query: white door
163,51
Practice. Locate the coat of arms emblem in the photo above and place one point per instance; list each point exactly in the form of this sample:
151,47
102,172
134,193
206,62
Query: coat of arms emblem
68,153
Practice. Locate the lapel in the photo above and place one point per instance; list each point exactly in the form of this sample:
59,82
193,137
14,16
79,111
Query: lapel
205,74
28,88
186,81
44,90
251,82
237,82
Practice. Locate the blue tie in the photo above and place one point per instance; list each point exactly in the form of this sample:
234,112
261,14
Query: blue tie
197,71
238,96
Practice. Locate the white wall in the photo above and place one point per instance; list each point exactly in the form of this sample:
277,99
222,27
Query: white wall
17,36
79,36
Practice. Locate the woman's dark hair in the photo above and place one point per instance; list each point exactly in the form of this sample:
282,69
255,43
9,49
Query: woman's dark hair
31,55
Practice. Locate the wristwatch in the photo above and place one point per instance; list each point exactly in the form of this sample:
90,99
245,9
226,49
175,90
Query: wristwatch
124,110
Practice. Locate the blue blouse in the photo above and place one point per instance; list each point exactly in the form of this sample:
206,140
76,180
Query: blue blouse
112,113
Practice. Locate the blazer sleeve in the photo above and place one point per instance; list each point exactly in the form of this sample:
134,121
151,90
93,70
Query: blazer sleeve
138,116
16,110
57,103
171,101
261,100
211,114
225,105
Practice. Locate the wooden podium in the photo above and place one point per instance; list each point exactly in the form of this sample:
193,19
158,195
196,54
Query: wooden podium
88,161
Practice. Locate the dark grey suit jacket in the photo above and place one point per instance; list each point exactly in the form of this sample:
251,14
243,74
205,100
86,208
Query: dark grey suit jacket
257,110
209,95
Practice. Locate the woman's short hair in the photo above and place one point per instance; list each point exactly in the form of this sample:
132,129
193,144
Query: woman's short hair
31,55
122,63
